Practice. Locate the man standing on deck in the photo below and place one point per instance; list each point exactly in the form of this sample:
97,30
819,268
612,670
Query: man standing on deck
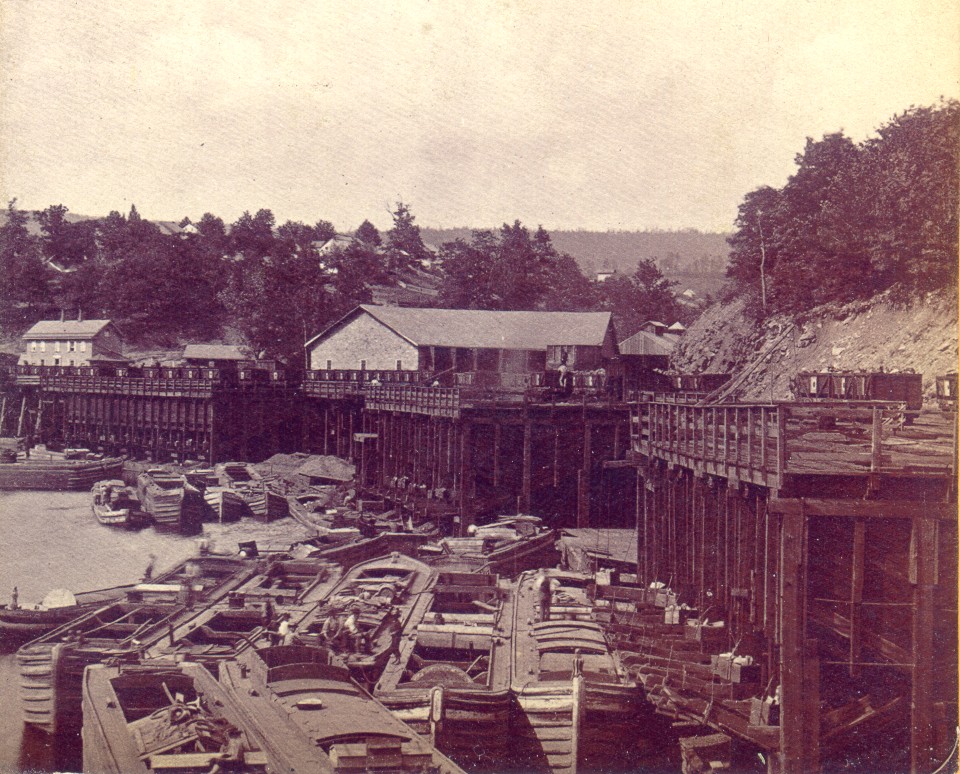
542,587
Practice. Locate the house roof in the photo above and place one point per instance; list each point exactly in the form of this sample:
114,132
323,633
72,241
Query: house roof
484,329
213,352
67,329
108,356
646,343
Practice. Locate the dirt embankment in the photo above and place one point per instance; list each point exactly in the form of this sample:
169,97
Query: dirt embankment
860,336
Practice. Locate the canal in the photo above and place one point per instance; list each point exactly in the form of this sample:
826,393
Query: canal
51,540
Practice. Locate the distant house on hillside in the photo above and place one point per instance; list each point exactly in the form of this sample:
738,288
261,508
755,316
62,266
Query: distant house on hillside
341,241
72,343
214,355
604,274
379,338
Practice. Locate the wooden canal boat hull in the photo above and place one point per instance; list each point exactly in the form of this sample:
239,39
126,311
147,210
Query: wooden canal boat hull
58,475
451,681
116,730
315,718
51,666
20,625
173,503
224,504
573,696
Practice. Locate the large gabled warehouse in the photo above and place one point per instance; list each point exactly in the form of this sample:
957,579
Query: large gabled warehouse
379,338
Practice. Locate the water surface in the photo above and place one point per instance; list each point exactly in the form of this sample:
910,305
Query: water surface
51,540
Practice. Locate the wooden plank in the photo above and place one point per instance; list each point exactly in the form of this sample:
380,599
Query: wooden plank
877,509
793,739
856,595
922,735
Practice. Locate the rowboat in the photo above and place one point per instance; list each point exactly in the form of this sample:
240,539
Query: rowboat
163,717
451,681
313,717
573,696
116,505
171,501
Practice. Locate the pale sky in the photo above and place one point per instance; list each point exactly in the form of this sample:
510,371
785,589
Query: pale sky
615,115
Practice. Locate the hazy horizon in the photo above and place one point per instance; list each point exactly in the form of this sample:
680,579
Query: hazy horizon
622,116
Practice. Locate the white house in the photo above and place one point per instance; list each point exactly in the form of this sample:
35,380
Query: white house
72,343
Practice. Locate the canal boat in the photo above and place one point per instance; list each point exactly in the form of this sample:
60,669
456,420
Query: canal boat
58,473
505,547
451,681
171,501
310,510
264,501
116,505
359,549
366,613
250,616
51,666
574,698
313,717
19,625
163,717
224,504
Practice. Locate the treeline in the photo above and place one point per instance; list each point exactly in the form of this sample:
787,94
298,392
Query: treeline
278,285
685,251
855,219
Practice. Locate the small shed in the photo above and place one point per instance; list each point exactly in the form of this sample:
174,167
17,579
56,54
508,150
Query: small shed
214,355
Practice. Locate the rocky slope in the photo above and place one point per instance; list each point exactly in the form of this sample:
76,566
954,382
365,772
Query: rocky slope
860,336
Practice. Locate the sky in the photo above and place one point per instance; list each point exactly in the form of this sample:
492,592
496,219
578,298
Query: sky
594,115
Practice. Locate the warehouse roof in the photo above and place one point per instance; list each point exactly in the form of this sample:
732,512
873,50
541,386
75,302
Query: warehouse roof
484,329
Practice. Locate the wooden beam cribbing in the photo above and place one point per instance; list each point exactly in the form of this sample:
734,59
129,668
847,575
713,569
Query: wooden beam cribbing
526,484
864,509
795,741
583,479
922,737
856,595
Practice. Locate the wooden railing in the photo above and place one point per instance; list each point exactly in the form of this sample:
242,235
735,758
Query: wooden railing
434,401
764,442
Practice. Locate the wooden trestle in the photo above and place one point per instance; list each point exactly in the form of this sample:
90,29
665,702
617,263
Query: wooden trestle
826,539
825,535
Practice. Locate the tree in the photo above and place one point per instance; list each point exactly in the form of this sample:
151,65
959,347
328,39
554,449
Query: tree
252,235
404,244
644,295
510,269
368,234
324,231
854,220
23,289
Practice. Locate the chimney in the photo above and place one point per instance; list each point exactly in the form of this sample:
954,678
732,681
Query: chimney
79,315
63,315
